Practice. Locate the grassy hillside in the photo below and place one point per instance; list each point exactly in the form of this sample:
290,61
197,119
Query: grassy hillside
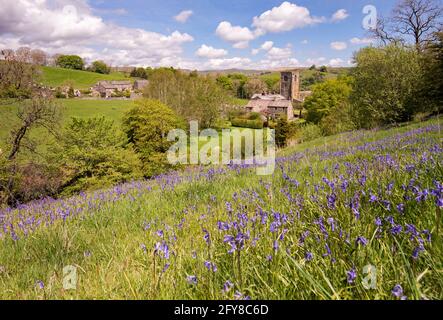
332,207
54,77
111,109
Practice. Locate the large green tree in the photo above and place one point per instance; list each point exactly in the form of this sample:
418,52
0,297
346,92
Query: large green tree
327,97
95,154
432,61
70,62
193,97
147,126
386,85
100,67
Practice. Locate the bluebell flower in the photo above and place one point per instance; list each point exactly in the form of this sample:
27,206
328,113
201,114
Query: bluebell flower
227,286
39,284
351,275
361,240
192,280
398,292
309,256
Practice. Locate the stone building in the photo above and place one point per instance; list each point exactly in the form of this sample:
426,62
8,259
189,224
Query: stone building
140,84
107,88
276,105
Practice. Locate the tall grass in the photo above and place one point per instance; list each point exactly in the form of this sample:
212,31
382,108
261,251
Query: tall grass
332,207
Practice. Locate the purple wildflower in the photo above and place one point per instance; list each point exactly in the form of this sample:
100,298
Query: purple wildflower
192,280
206,236
398,292
227,286
361,241
309,256
351,275
39,284
211,266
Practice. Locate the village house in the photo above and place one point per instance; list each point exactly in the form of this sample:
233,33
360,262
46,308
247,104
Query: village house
107,88
275,105
140,84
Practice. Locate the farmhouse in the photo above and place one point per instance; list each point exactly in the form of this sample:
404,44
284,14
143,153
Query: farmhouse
275,105
108,88
140,84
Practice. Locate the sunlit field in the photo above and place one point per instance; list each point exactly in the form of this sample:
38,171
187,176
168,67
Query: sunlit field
334,209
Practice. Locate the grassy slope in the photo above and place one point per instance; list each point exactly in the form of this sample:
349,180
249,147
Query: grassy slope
82,79
106,242
111,109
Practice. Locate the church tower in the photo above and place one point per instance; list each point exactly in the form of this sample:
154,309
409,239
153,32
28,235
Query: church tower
290,85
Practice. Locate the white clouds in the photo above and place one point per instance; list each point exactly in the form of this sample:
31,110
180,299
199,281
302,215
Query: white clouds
183,16
304,42
279,53
210,52
286,17
337,62
70,26
339,45
239,36
316,61
359,41
339,15
231,63
267,45
255,52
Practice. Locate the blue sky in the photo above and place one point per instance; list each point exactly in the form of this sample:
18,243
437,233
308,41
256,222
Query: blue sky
210,34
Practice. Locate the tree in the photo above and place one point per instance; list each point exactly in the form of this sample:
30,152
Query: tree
323,69
417,19
254,86
432,62
411,21
94,154
139,73
70,62
281,132
39,57
194,98
326,97
17,75
386,85
100,67
37,113
147,126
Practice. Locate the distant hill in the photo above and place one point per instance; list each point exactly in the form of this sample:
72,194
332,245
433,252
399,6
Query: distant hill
55,77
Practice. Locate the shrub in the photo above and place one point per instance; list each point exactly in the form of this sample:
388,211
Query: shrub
100,67
245,123
309,132
95,154
281,132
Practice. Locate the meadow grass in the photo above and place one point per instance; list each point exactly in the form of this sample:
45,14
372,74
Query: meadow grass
54,77
332,207
110,109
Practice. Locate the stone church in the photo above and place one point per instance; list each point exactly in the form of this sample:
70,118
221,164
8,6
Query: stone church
275,105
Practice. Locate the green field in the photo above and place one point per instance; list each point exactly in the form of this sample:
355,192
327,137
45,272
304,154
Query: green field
332,208
111,109
55,77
